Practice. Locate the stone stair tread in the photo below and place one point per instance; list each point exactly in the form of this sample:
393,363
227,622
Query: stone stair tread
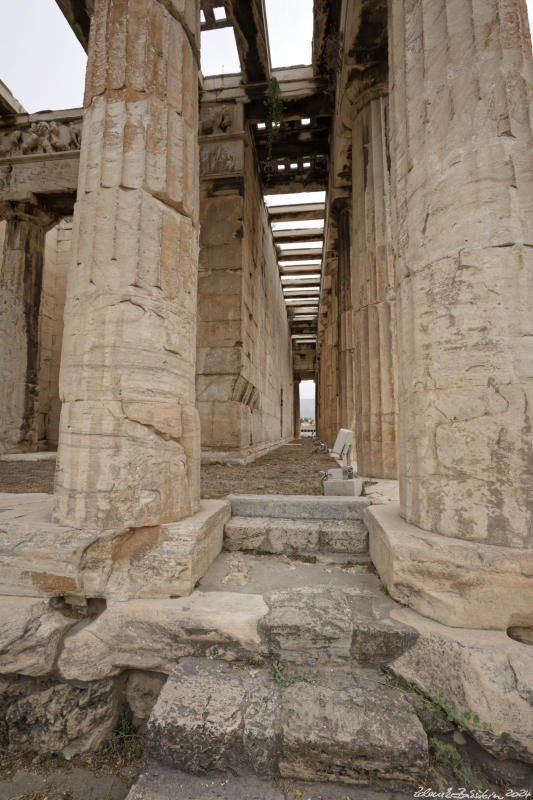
297,506
307,625
274,534
211,716
161,783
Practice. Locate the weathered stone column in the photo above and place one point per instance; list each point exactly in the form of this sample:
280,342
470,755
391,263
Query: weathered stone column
20,295
462,182
296,408
345,326
129,433
373,290
462,157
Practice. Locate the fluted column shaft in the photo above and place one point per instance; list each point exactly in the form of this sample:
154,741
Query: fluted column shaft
129,433
296,408
374,318
21,272
462,181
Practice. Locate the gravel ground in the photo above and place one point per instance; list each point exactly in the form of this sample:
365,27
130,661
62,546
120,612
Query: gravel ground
291,469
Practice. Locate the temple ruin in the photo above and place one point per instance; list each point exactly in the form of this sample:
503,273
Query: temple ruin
155,317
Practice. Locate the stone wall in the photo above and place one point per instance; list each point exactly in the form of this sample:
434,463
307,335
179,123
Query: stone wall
244,378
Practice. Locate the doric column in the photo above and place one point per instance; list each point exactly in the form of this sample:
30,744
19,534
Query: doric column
296,408
20,295
373,292
462,177
129,433
345,325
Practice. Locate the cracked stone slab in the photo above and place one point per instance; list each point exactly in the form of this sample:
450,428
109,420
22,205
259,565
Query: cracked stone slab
485,671
39,558
323,624
30,635
154,634
278,535
211,717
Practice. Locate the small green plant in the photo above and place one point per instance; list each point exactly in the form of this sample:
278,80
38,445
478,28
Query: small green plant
448,755
307,558
274,123
283,679
125,741
435,704
384,590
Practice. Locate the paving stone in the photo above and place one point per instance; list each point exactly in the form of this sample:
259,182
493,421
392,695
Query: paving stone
212,717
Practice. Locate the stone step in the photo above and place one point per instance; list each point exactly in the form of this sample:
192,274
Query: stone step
280,535
161,783
309,626
298,507
327,726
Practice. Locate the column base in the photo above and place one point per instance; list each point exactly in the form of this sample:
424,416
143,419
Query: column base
456,582
39,558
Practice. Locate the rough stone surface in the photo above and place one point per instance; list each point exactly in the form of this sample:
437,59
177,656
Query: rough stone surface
275,535
351,735
50,717
40,558
30,635
209,717
456,582
154,634
142,691
309,625
481,670
298,506
324,624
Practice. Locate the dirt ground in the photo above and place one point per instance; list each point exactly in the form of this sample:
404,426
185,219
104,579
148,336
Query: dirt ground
291,469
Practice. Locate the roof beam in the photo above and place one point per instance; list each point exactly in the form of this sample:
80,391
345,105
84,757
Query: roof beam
297,212
248,18
302,235
78,15
300,254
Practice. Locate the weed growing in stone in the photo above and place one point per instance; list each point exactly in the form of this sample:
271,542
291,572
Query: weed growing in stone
435,705
283,679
